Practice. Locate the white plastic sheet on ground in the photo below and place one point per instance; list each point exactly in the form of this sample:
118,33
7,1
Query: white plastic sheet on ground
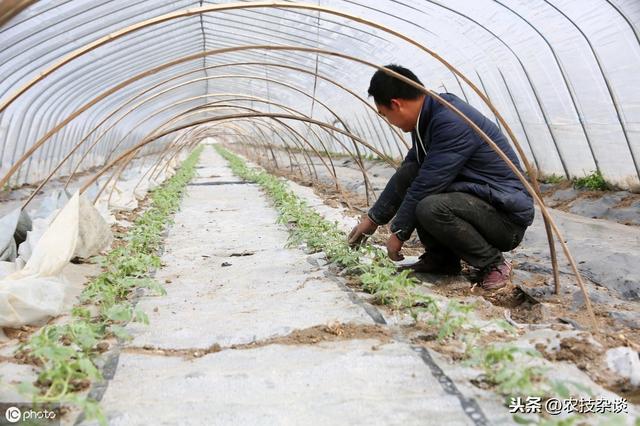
37,291
8,224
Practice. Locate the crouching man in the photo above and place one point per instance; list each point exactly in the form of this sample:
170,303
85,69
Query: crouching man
452,188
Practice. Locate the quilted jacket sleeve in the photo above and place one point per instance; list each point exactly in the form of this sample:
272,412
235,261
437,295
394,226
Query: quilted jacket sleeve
452,143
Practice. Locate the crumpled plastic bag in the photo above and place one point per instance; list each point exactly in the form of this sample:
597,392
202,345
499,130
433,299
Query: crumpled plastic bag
37,291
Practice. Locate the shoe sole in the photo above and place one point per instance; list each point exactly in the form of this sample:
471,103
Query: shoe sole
493,288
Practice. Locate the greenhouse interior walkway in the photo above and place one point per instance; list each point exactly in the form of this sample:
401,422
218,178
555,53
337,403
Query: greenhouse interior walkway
253,332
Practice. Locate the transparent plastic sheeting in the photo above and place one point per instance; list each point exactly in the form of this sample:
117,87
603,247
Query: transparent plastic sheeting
564,73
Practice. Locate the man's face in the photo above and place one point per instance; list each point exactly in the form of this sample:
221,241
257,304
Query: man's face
398,114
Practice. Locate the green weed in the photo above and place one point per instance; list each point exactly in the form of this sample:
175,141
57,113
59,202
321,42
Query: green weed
594,182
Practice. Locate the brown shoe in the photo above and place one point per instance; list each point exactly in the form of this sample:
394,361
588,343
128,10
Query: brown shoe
496,276
431,263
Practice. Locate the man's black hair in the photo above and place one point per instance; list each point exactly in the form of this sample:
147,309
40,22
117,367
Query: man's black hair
384,87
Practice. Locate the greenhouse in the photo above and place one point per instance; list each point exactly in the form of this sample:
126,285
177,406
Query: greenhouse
334,212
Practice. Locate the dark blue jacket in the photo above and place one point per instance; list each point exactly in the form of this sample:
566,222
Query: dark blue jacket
454,158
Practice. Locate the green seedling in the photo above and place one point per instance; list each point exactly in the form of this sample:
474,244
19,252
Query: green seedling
66,353
504,367
378,277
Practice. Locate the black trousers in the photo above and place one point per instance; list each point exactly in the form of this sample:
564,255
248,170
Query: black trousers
457,225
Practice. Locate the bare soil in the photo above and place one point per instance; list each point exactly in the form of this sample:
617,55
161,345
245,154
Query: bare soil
21,334
309,336
628,200
329,333
578,351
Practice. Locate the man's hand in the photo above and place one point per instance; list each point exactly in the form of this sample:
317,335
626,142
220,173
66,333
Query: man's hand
361,232
394,245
